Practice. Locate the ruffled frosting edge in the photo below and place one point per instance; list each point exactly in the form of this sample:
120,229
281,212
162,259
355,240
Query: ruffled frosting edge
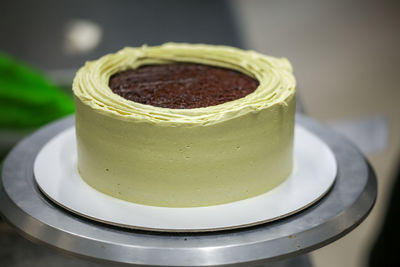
276,83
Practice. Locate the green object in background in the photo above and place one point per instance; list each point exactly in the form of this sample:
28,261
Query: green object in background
27,98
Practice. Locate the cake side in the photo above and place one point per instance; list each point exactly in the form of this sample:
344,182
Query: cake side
186,167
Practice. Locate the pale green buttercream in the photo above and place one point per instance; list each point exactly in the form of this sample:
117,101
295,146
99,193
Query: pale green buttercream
277,83
185,157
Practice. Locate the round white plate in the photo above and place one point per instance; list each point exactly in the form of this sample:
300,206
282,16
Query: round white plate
55,171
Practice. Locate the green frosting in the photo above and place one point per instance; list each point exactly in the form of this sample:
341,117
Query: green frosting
185,157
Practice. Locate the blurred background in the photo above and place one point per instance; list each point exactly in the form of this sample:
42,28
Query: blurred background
344,53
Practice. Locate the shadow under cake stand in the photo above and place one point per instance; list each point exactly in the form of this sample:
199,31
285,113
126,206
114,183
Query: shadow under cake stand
280,243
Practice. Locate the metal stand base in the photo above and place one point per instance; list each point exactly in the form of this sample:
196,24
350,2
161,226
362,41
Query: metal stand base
341,210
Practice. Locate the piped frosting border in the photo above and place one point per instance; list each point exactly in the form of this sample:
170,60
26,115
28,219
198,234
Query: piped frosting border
277,83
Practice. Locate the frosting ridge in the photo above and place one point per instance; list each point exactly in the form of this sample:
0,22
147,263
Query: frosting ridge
276,83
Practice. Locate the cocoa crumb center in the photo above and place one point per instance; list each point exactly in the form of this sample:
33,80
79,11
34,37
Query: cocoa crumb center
181,85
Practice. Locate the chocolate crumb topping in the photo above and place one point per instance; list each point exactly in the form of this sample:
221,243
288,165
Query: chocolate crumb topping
182,85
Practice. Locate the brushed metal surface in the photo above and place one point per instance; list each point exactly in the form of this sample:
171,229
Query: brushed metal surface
37,218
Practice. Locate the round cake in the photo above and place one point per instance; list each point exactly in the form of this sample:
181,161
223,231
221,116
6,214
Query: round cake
183,125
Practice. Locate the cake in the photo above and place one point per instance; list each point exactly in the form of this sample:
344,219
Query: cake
184,125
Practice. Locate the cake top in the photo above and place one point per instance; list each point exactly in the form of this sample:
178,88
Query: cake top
274,75
181,85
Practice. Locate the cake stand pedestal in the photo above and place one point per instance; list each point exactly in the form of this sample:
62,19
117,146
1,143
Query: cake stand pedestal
281,243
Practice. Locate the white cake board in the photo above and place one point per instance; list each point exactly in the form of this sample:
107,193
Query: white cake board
55,171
